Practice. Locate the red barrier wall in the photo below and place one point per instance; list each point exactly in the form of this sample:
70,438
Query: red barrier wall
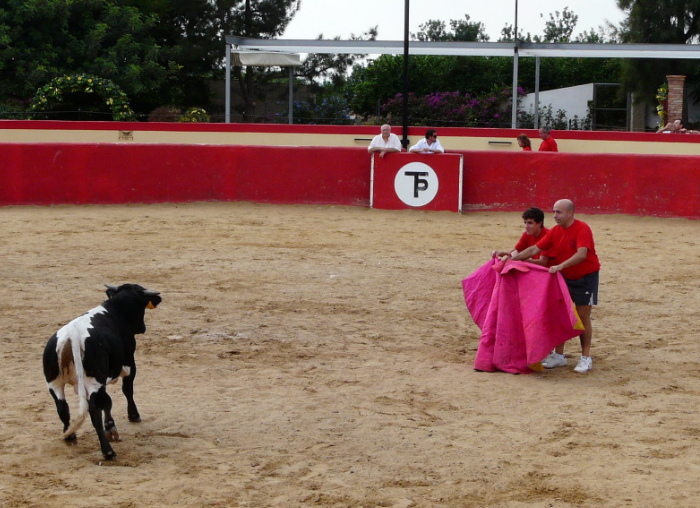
117,173
44,174
660,185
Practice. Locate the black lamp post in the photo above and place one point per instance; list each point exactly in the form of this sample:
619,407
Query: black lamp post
514,116
404,140
247,18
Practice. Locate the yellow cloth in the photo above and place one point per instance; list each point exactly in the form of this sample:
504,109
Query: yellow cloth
579,323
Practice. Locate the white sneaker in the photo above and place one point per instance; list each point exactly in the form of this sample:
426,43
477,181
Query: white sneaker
549,356
554,360
584,364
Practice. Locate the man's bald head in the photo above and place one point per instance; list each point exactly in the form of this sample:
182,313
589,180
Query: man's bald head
564,212
565,204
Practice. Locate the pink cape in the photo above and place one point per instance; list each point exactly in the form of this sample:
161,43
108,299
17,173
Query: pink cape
523,312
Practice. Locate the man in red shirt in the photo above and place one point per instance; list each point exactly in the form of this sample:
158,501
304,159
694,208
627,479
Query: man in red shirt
533,218
571,242
548,144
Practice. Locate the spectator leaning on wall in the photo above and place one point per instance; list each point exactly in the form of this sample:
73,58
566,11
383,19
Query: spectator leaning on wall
524,143
429,144
548,144
386,142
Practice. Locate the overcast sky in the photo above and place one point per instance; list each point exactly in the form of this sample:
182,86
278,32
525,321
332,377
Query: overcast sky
344,17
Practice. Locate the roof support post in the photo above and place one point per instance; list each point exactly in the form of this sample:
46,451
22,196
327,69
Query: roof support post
404,140
514,113
291,95
228,83
537,92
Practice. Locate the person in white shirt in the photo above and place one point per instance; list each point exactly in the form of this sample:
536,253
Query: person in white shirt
429,144
386,142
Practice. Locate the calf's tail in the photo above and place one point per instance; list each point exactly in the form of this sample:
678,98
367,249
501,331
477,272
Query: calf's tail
82,393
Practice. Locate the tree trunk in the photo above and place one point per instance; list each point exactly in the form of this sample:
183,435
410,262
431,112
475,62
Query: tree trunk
247,86
250,104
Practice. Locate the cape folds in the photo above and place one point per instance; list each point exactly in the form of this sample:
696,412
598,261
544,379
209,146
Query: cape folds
523,312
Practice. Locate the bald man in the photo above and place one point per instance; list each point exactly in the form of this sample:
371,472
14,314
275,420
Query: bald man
386,142
571,241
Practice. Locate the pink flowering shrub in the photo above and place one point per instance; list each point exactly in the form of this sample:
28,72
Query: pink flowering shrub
455,109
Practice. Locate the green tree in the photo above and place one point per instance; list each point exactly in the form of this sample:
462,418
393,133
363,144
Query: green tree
193,31
460,30
373,85
432,30
44,39
265,19
667,22
559,27
507,34
330,69
188,32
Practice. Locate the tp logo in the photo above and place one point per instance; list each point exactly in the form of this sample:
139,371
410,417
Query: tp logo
416,184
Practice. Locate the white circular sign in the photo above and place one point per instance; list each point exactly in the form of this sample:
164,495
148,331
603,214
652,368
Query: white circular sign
416,184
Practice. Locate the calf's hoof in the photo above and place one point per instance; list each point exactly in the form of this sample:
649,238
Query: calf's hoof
112,434
110,455
71,440
135,418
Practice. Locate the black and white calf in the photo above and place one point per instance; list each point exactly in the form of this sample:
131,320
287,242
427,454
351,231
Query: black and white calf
94,350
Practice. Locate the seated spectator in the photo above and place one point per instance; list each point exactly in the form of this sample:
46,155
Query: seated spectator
429,144
524,143
676,127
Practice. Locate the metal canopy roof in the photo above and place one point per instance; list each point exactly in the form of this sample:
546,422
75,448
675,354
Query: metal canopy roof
507,49
525,49
244,57
585,50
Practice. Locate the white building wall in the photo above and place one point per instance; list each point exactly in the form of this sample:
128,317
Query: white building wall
573,100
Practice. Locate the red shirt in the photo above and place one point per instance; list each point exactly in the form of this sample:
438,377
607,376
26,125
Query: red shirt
549,145
529,240
564,242
527,149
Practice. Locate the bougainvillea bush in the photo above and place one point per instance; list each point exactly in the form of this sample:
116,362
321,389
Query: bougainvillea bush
456,109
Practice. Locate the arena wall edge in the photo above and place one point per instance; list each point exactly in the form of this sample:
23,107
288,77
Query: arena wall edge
107,173
452,138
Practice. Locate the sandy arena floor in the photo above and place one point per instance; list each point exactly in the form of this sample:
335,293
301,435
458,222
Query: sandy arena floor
322,356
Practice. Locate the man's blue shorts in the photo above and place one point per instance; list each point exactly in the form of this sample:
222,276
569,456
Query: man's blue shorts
584,291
